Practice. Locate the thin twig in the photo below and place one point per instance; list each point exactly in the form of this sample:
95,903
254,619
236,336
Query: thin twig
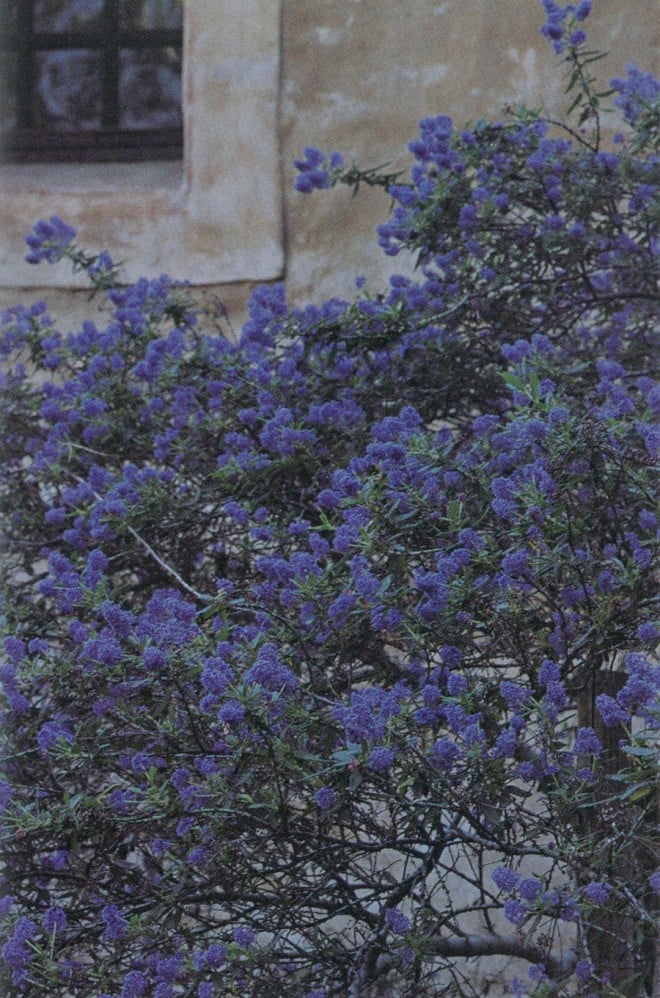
202,597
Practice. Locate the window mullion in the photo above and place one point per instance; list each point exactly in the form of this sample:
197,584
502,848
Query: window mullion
26,56
110,65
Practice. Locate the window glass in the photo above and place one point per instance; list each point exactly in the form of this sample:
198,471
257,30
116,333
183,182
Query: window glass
67,15
8,29
152,14
67,95
8,89
149,88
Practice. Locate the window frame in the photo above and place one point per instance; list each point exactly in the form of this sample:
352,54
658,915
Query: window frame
215,218
29,143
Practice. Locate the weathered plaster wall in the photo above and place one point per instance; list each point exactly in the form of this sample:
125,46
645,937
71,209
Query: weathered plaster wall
355,75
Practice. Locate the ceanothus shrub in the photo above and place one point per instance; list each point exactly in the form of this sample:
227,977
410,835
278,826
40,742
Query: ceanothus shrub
328,656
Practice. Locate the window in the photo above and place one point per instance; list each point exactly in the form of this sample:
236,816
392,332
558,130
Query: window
90,80
213,217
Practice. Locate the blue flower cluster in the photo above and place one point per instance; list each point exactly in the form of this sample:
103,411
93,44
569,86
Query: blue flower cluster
560,28
314,169
49,240
636,91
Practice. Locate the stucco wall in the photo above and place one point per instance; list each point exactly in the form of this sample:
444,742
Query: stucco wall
357,75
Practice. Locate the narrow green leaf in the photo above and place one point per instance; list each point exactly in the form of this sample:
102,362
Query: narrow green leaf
575,104
454,513
513,381
636,792
640,793
534,386
345,756
593,57
640,750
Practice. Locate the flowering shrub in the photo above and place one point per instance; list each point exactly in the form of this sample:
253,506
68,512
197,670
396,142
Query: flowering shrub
328,654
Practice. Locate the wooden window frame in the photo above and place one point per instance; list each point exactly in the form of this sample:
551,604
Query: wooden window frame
26,143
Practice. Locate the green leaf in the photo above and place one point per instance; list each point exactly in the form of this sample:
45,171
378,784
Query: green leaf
637,791
593,57
345,756
640,792
534,386
455,513
513,381
640,750
575,104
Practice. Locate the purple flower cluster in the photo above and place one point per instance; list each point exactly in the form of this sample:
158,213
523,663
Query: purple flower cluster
17,953
49,240
505,878
556,28
135,985
314,169
244,935
638,695
270,672
587,742
598,893
115,923
636,91
397,922
381,759
325,798
53,734
369,713
168,619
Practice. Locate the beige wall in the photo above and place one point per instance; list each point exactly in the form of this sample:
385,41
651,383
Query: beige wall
355,75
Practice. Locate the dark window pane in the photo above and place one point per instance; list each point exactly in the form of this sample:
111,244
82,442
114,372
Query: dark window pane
67,15
151,14
8,17
68,90
7,89
150,88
